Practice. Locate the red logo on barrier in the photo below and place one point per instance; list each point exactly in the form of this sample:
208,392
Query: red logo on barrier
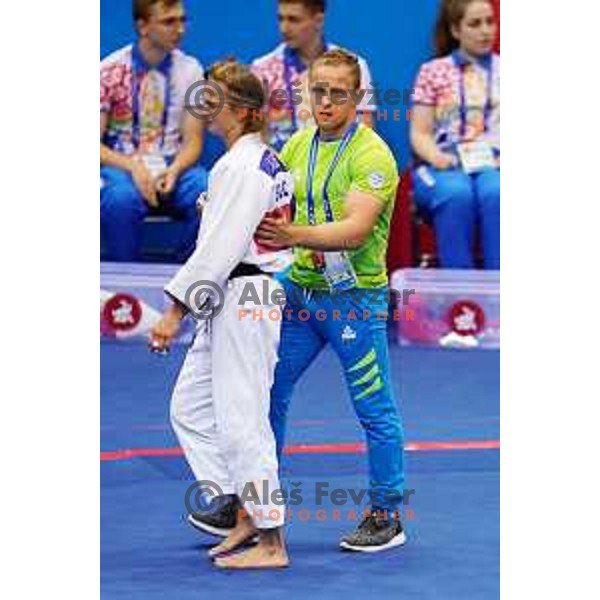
466,318
122,312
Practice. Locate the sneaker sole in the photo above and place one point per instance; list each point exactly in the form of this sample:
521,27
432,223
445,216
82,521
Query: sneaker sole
398,540
204,528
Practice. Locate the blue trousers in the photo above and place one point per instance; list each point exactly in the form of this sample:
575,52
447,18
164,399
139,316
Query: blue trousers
458,203
362,348
123,209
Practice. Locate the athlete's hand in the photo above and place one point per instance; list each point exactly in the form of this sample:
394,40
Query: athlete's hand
276,233
144,181
166,330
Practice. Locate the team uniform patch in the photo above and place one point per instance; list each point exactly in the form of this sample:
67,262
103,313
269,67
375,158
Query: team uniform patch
376,180
270,164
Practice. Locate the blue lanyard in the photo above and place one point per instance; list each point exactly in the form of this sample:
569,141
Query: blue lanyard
138,65
312,163
287,75
487,111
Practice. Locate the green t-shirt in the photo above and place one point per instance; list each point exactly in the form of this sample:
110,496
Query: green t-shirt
368,166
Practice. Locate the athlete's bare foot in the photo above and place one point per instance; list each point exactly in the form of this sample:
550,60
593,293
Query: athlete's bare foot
262,556
242,533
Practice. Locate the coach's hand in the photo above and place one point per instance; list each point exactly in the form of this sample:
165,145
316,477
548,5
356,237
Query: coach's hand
276,233
166,330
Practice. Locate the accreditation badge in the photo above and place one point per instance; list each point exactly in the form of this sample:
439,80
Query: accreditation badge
476,156
339,272
155,163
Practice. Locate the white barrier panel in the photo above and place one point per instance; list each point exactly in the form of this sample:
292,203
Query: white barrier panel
448,308
132,300
453,308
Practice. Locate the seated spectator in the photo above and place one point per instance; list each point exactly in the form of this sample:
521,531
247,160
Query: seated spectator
455,134
285,70
149,145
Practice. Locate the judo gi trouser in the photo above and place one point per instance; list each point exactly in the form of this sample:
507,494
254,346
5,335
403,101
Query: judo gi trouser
220,405
313,319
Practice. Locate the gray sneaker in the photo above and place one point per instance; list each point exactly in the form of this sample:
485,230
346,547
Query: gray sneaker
374,535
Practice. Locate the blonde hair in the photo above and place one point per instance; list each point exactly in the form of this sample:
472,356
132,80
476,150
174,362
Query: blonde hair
334,58
244,91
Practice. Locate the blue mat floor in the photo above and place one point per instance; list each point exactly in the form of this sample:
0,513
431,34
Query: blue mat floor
149,552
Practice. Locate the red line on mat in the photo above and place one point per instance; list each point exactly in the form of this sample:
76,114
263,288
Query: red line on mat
357,448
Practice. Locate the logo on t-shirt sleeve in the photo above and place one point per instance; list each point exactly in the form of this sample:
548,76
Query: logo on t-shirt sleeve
376,180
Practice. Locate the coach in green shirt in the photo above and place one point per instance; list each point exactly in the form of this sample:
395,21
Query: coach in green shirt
345,185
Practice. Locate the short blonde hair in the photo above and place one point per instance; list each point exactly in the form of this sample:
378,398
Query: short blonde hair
339,56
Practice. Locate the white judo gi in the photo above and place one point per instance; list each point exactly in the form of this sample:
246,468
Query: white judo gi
220,405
